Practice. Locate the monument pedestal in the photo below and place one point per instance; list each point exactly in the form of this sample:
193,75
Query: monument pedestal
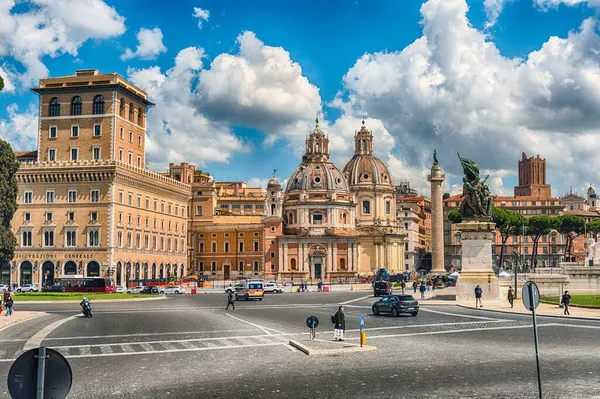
477,237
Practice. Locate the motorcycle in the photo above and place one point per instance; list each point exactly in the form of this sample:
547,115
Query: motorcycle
86,309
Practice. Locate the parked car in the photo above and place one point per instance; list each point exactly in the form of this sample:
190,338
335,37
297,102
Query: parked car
396,304
4,288
149,290
173,289
54,288
382,288
232,288
119,289
135,290
28,288
273,288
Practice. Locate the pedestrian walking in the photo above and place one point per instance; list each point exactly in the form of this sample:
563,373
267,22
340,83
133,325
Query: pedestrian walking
428,283
320,285
403,285
230,301
9,305
478,293
422,290
415,286
0,305
432,285
511,296
340,324
566,299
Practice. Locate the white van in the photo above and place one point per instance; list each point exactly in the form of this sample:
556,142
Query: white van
252,289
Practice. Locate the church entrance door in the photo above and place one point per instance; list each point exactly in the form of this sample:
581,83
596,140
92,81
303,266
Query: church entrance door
318,271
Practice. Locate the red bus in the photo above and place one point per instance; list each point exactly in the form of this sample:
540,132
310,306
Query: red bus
75,283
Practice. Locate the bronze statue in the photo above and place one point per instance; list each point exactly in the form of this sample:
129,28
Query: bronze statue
435,156
476,202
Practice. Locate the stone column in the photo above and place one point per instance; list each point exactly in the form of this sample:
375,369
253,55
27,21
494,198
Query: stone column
334,264
437,219
301,257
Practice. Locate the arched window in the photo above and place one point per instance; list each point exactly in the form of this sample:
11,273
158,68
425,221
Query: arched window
128,272
93,269
140,117
131,112
76,105
145,271
122,107
98,105
48,273
388,208
175,270
137,271
344,218
168,270
162,271
54,109
26,271
154,271
119,273
342,264
26,241
182,270
293,264
70,268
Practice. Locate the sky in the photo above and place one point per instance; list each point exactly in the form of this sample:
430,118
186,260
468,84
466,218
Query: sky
238,84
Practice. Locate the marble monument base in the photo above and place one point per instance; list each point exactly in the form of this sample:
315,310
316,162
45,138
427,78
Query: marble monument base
477,237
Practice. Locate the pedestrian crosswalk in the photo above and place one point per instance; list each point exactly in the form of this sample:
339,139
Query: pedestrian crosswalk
170,346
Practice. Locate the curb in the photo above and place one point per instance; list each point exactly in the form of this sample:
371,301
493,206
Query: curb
11,323
573,306
525,314
337,351
95,301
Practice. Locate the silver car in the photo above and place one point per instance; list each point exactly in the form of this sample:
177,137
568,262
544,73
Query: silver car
28,288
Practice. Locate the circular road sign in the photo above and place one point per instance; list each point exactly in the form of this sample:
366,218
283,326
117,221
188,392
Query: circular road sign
312,322
22,377
531,296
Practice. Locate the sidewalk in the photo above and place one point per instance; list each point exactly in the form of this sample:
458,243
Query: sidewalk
543,309
18,317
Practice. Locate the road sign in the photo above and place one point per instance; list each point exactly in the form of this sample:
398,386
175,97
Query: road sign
312,322
24,375
362,322
531,296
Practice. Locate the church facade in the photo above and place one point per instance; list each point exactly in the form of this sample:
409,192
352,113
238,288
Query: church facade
339,223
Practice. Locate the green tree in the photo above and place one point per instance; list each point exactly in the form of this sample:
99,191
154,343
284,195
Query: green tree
594,227
1,83
536,227
446,196
506,223
455,216
8,201
570,226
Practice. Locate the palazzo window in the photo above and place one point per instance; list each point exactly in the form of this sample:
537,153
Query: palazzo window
49,238
54,109
71,239
317,218
366,207
98,105
76,105
26,239
94,238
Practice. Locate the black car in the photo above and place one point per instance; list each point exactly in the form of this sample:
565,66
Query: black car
53,288
381,288
396,304
149,290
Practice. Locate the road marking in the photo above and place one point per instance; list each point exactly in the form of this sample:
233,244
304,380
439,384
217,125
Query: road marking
134,335
431,325
85,350
578,326
456,314
106,350
264,329
356,300
126,348
36,340
453,331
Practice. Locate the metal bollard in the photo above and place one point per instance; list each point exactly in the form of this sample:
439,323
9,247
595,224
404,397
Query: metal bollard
363,338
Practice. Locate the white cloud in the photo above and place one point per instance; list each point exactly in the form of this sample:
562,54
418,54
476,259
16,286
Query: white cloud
451,89
177,131
7,77
546,4
260,87
149,46
493,9
202,16
20,129
52,28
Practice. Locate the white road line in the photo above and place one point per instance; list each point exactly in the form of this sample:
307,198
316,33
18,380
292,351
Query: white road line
456,314
431,325
168,346
134,335
85,350
264,329
126,348
160,352
578,326
452,331
162,342
356,300
106,350
188,345
36,340
146,346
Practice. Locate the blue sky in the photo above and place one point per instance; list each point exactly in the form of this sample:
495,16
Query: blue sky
238,84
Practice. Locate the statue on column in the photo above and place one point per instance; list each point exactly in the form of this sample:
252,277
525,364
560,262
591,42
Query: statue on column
476,202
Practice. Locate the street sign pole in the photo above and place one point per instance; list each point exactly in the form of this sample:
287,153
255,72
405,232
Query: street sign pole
531,300
41,373
535,338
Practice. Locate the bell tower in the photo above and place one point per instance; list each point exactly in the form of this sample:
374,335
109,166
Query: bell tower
363,141
317,146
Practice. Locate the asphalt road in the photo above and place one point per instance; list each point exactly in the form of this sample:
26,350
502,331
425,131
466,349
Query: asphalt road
189,346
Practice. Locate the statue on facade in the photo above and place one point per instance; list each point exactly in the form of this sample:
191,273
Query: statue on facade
476,202
435,160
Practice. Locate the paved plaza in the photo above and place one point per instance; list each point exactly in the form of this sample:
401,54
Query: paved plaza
189,346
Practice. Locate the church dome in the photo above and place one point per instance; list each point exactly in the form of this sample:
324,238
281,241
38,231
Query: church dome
317,176
274,183
364,167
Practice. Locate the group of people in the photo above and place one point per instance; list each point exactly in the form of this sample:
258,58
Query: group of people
8,306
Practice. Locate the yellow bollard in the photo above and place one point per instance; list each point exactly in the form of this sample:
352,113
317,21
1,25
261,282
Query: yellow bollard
363,338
